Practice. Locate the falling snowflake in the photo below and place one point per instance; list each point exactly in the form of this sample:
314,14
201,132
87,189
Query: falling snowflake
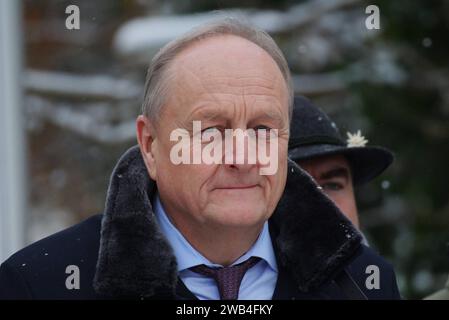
356,140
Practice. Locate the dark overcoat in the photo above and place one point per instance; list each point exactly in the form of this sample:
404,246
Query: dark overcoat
123,254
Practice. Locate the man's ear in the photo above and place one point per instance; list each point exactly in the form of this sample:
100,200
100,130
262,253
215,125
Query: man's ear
147,143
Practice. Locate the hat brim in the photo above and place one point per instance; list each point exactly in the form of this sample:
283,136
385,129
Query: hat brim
366,162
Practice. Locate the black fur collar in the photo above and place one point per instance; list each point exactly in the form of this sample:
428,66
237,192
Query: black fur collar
313,239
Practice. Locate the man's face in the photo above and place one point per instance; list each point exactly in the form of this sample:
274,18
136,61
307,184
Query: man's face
225,82
333,174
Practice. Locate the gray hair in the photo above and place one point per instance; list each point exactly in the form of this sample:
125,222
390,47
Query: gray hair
158,79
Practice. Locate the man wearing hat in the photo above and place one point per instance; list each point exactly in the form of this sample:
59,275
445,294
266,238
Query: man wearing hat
336,165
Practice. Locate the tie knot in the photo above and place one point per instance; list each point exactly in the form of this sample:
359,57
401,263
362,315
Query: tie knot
228,279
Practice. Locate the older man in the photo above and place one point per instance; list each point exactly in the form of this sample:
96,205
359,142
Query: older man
337,165
221,230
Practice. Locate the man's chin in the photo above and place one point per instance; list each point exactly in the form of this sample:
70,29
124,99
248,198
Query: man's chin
238,197
239,216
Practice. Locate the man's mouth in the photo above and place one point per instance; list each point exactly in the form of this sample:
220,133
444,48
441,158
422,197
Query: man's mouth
237,187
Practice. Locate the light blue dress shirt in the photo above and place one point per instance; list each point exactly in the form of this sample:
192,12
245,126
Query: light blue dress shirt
258,282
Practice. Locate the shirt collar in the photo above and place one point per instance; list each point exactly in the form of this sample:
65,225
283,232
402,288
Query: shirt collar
187,256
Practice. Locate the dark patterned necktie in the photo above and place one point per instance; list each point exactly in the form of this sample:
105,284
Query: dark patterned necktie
228,279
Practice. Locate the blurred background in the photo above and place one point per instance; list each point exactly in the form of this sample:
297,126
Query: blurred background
69,99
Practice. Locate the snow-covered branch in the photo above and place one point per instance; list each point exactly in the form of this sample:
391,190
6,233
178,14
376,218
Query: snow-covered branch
80,86
146,35
87,124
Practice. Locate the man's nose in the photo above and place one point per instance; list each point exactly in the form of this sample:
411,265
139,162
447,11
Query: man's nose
244,151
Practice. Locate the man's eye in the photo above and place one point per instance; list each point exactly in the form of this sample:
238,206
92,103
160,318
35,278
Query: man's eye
209,132
262,128
263,131
332,186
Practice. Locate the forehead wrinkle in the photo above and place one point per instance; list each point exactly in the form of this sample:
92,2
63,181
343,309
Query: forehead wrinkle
245,90
191,78
263,89
205,111
237,85
208,113
240,90
225,105
260,80
248,80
